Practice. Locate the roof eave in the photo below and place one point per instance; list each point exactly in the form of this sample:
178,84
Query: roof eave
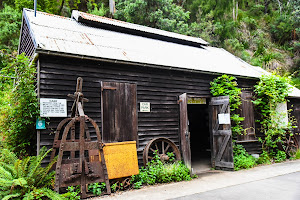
70,55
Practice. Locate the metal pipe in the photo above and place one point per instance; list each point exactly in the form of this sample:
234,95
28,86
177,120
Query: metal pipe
35,2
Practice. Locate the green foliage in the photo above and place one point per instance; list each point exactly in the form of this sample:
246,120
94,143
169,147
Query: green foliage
270,91
95,9
49,6
19,106
161,14
281,29
26,178
97,188
297,154
157,171
114,187
226,85
280,156
72,193
10,23
264,158
242,160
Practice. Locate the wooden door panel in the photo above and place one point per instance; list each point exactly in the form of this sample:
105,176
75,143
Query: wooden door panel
247,111
222,152
119,111
184,131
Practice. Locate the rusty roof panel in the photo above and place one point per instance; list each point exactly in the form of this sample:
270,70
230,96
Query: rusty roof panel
129,26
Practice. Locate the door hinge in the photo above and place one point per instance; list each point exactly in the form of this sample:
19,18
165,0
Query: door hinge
108,88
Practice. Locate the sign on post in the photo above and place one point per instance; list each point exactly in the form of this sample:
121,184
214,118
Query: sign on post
53,107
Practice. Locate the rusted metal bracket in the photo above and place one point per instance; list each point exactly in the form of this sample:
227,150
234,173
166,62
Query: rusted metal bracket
73,142
108,88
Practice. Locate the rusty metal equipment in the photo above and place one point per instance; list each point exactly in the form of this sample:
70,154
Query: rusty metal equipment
162,147
120,158
74,145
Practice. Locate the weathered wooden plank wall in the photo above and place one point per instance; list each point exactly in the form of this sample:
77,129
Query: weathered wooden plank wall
294,104
159,87
26,42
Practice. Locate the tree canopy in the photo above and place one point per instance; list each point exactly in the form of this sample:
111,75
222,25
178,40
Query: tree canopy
264,33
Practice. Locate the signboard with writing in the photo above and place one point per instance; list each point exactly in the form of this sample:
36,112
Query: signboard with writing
224,118
53,107
196,100
144,106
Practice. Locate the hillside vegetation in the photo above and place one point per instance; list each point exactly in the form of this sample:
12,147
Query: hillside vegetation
264,33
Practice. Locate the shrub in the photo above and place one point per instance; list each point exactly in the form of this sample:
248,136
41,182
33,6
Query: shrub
26,178
158,172
281,29
242,160
264,158
72,193
97,188
280,156
297,155
19,108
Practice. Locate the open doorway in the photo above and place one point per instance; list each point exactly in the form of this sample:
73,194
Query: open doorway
198,120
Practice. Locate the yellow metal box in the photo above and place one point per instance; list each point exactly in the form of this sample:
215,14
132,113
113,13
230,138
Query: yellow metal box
120,158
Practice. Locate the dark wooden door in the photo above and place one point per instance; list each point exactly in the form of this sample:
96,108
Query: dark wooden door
247,111
119,111
184,131
222,153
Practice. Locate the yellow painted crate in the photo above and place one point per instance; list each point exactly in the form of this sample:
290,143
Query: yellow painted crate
121,159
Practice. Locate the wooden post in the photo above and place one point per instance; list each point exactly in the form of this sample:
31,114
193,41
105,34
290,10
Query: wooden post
112,7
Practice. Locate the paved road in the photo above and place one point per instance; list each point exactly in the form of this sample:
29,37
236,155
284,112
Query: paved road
284,187
277,181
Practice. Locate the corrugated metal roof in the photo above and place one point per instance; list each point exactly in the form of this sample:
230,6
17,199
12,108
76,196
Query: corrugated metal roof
66,35
129,26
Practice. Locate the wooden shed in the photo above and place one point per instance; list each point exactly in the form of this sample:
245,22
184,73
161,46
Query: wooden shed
125,67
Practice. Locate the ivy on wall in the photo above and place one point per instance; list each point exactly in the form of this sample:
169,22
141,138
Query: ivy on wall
269,92
226,85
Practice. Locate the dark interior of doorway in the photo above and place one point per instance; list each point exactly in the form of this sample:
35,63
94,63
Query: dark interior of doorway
199,137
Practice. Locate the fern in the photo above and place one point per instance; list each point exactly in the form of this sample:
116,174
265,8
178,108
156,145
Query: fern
11,196
26,179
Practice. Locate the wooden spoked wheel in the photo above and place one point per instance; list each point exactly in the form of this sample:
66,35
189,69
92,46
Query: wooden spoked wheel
162,146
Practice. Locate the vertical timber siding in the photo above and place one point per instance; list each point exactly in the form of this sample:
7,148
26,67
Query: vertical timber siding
159,87
294,104
26,42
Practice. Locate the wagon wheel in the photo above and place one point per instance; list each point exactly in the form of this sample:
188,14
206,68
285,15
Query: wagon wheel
126,183
117,186
163,146
291,145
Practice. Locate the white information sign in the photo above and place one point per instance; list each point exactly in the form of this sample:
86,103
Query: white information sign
53,107
144,106
224,118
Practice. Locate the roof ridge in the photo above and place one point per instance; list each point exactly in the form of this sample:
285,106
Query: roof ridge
48,14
